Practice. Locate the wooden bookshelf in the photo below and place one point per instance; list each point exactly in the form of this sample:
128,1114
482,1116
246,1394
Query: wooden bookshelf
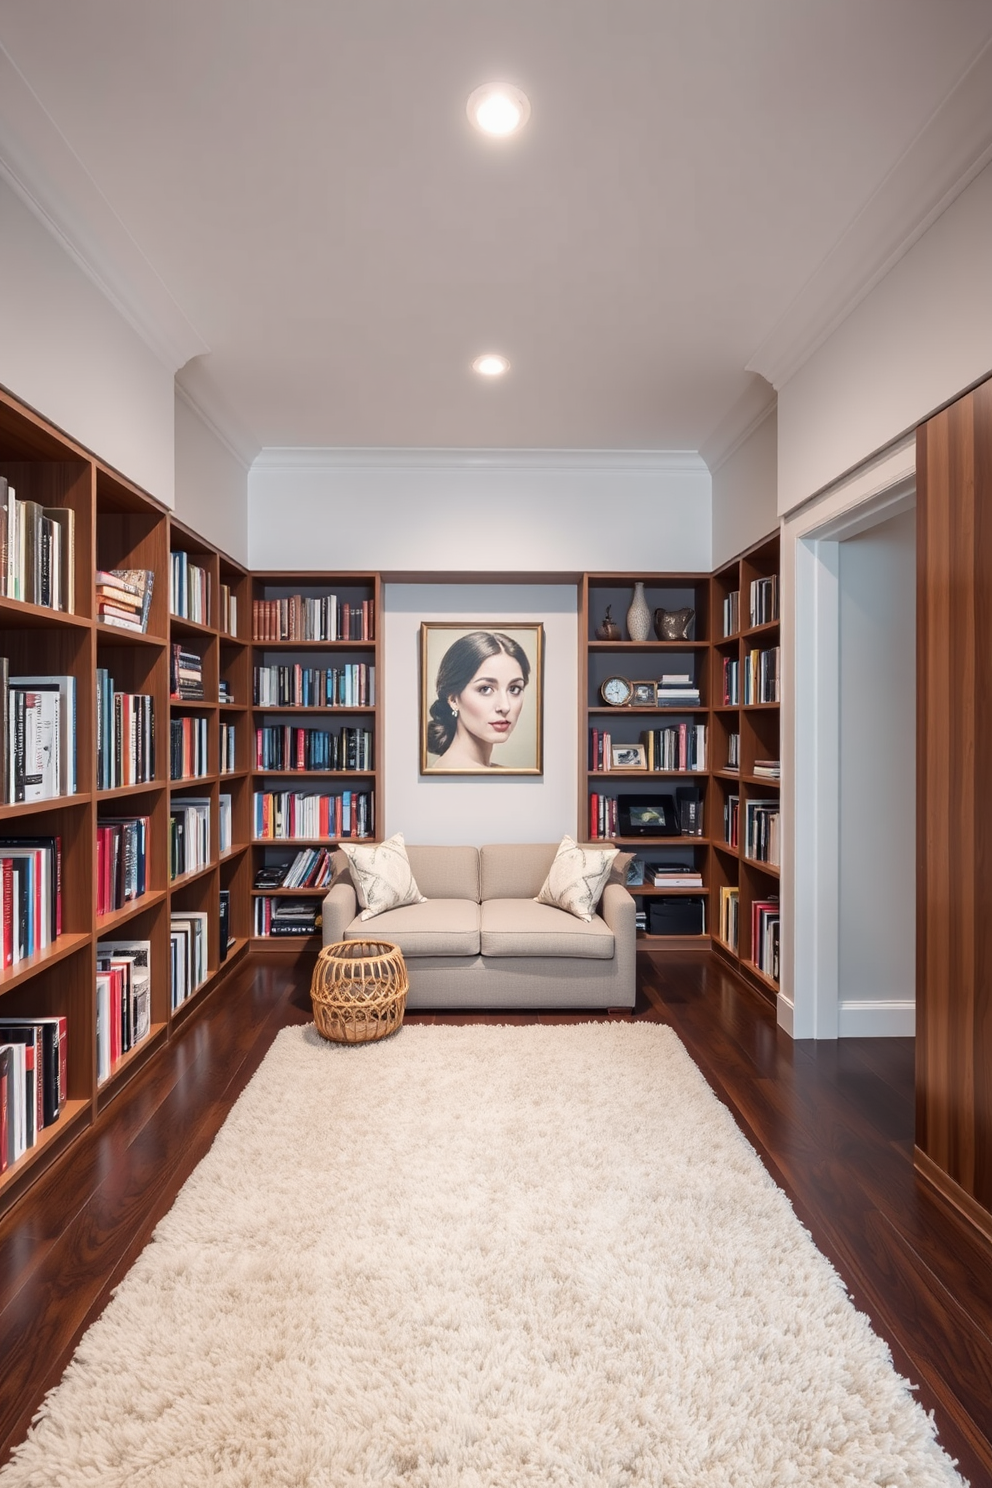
361,593
754,720
643,661
116,526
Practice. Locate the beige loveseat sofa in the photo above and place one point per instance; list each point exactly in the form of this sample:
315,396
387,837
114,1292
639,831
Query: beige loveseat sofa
481,941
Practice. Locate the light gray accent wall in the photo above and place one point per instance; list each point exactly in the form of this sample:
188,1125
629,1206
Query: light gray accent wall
877,806
744,493
465,809
66,351
211,484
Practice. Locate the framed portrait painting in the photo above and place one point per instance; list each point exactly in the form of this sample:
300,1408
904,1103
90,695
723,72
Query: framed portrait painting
481,698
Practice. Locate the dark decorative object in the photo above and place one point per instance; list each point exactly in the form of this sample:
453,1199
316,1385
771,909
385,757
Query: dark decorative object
609,630
673,625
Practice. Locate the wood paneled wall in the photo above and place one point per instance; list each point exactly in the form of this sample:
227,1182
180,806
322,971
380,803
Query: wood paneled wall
954,833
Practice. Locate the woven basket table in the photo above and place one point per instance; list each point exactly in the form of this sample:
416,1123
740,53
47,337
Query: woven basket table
359,991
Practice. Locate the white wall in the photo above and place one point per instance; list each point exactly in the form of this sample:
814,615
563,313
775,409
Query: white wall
211,483
745,488
465,809
877,757
921,336
67,352
503,512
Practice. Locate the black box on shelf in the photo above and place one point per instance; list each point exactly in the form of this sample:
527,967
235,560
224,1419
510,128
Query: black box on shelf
683,915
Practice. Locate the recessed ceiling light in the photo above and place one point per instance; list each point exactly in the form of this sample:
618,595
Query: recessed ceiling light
498,109
491,364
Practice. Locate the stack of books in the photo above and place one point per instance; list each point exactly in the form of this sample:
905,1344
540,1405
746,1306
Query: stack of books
674,875
124,596
677,690
768,769
287,916
186,675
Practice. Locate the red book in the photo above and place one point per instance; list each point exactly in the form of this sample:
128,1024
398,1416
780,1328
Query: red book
594,817
7,872
4,1087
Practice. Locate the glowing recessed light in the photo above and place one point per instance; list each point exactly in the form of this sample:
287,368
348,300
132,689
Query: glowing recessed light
498,109
490,365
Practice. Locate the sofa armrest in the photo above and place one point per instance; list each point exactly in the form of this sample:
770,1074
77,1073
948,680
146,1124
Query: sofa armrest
618,910
339,909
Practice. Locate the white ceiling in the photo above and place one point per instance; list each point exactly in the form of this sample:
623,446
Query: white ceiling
289,191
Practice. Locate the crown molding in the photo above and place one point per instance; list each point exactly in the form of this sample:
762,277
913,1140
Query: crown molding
756,404
275,458
195,388
40,166
951,149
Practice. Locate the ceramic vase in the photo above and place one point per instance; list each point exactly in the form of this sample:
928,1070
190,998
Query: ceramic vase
638,615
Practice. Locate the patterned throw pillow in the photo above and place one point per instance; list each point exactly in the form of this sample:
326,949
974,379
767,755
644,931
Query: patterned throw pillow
577,877
382,876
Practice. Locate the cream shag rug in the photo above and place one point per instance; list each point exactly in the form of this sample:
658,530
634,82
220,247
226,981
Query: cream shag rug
481,1258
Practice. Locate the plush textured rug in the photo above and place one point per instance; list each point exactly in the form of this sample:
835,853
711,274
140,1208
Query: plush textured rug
481,1258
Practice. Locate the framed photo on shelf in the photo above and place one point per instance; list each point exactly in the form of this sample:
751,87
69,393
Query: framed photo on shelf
635,873
645,695
628,757
481,697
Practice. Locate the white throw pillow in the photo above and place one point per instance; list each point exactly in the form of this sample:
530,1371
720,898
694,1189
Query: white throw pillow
577,877
382,876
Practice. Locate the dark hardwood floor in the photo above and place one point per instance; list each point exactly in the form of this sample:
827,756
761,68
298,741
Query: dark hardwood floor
833,1122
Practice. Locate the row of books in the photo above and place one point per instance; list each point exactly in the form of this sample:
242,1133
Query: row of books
38,722
680,748
310,869
300,814
765,936
604,817
730,912
31,890
124,597
123,1000
764,600
125,735
761,676
188,953
732,613
286,916
673,876
732,821
185,674
34,1081
228,610
322,617
37,551
761,832
733,752
228,748
225,822
189,835
282,747
295,686
121,861
187,748
189,589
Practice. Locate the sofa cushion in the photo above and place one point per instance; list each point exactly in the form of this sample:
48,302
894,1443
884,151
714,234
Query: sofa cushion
515,870
521,927
446,872
441,927
382,875
577,878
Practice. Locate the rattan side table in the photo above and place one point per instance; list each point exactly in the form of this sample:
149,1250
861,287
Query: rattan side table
359,990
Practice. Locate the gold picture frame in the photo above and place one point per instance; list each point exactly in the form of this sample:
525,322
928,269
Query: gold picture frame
628,757
481,698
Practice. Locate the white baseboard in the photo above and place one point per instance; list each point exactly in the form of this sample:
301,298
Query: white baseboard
785,1013
876,1019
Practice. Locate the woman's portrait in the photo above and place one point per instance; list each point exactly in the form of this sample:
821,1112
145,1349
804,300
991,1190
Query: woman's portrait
481,698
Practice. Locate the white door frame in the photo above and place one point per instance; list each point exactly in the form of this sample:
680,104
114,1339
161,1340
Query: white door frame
809,1003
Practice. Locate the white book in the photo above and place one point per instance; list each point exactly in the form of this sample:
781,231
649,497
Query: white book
65,686
139,953
42,711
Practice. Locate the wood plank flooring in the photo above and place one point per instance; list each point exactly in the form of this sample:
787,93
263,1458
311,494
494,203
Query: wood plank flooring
833,1123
